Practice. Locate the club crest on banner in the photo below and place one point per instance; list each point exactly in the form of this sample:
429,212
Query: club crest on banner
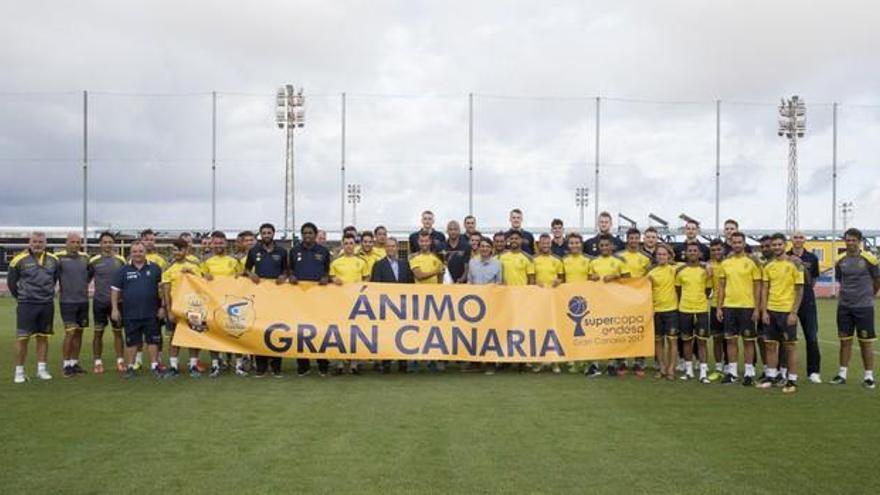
236,316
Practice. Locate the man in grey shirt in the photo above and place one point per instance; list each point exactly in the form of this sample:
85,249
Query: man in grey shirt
484,269
74,275
104,267
859,277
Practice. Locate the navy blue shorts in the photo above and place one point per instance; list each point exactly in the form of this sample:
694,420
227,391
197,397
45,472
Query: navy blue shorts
738,323
139,331
779,330
101,314
852,320
693,325
34,319
75,315
665,324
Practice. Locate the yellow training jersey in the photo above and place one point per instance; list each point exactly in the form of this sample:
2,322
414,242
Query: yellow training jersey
427,263
783,277
604,266
577,268
380,250
516,267
637,262
349,269
158,259
173,273
663,287
693,280
370,259
548,268
716,281
221,265
739,273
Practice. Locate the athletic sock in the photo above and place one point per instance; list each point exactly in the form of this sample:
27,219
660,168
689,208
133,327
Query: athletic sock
771,373
238,363
66,363
99,362
119,360
783,372
154,365
19,370
139,358
792,377
215,363
842,372
750,370
869,374
731,368
193,362
704,369
41,366
74,362
173,361
689,367
719,367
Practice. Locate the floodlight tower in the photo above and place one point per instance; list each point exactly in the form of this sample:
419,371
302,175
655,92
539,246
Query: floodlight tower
846,209
289,115
792,125
582,199
354,197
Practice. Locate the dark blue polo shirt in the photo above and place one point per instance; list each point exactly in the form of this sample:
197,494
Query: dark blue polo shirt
591,246
309,263
438,242
680,250
811,273
266,263
559,250
140,290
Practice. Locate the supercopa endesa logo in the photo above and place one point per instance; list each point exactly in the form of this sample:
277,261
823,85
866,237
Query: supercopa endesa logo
577,311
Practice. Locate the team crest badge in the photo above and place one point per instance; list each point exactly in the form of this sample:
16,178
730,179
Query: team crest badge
236,316
196,313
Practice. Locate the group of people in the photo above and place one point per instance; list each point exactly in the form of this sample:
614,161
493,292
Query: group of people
720,292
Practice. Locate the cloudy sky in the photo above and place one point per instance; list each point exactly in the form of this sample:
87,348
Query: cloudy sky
407,67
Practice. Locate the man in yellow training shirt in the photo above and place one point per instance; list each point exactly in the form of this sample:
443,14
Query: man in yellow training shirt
427,267
368,251
693,282
220,264
638,263
575,264
607,267
716,326
548,268
171,277
665,298
781,294
517,267
347,269
739,295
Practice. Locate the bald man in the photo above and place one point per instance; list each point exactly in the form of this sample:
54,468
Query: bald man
74,275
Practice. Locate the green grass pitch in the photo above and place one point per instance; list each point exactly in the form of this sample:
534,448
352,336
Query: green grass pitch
431,433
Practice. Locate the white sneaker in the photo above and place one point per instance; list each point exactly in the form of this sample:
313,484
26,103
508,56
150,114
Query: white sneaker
44,375
815,378
20,378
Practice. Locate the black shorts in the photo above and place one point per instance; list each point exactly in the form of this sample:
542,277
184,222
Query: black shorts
738,323
852,320
665,324
779,330
34,319
101,313
139,331
716,326
74,315
692,325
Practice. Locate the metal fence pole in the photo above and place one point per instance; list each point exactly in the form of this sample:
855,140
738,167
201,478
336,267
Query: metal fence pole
833,197
85,169
596,180
213,160
717,168
342,171
470,154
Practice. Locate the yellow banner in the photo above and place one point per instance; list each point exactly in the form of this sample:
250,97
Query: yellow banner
486,323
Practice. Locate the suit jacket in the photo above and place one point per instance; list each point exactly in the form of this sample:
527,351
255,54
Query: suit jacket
382,272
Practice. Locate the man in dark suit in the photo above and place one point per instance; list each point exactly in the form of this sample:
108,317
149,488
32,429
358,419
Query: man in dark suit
393,270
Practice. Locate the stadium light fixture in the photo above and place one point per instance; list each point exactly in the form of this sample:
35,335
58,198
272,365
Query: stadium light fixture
582,199
289,115
354,197
792,125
